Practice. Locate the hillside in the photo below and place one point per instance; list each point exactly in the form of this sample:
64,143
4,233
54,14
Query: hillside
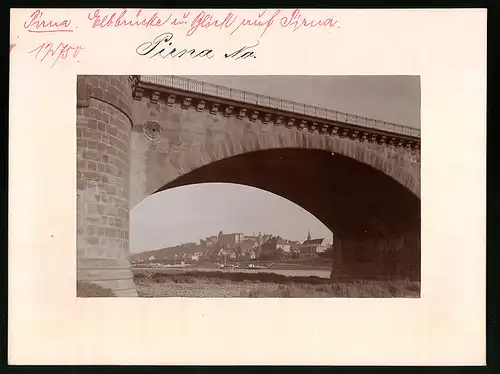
168,253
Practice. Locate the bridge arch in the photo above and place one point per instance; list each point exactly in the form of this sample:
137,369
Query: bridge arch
386,159
376,218
181,137
198,139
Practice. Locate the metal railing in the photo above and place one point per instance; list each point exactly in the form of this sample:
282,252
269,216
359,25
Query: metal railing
211,89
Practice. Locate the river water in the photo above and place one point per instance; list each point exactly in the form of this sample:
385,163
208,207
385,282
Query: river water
287,272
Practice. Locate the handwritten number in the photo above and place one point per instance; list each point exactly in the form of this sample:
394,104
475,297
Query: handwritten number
61,51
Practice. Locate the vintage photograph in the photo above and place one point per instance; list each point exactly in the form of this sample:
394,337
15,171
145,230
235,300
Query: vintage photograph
248,186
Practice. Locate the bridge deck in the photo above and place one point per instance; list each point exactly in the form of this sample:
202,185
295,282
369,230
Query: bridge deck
215,90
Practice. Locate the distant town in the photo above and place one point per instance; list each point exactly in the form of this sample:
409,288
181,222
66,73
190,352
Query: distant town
230,250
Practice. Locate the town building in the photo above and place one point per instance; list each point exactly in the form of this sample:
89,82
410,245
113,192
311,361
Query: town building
283,245
196,257
305,251
246,246
274,248
229,240
319,245
255,253
209,241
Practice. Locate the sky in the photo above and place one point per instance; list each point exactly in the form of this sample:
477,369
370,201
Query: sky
387,98
184,214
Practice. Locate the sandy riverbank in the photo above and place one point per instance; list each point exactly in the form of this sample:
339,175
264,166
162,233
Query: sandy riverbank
234,283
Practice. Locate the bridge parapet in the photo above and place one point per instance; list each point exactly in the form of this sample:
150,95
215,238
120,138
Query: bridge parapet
227,101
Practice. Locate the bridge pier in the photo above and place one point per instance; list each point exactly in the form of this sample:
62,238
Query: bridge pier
103,151
375,257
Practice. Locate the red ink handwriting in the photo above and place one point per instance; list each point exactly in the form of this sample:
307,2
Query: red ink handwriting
101,19
177,22
121,20
264,20
297,20
206,20
50,51
37,24
259,22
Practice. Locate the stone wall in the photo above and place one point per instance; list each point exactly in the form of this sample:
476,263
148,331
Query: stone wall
392,257
103,157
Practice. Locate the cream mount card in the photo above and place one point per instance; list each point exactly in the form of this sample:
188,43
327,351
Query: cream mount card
308,52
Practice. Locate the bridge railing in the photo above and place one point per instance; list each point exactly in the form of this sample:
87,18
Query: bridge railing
211,89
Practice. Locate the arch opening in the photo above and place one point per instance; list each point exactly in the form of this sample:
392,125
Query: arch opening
192,213
375,219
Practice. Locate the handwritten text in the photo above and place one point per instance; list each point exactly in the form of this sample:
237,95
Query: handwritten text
139,19
162,46
37,24
243,52
54,53
264,20
232,22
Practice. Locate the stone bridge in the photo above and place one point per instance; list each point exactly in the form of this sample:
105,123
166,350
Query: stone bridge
137,135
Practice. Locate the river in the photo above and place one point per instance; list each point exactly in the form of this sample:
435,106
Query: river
288,272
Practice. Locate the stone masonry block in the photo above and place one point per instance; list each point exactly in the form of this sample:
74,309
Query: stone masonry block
100,141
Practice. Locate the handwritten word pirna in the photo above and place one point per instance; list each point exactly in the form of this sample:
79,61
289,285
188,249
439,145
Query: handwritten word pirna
38,24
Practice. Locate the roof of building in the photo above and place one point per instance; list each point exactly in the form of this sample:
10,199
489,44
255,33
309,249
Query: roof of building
271,240
280,240
246,245
314,241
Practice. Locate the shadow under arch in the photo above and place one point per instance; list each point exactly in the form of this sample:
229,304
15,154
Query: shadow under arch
375,218
400,164
163,167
